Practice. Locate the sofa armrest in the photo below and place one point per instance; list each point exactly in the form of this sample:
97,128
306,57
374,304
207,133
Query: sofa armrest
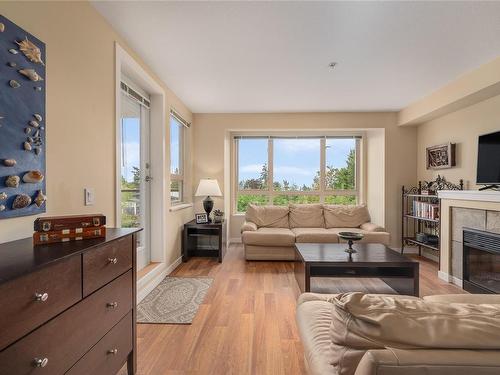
248,226
371,227
429,361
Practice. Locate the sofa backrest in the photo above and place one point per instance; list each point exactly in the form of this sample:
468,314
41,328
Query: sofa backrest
361,322
343,216
306,216
268,216
315,215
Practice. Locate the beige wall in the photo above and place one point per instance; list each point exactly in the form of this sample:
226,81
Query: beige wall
80,112
463,128
211,152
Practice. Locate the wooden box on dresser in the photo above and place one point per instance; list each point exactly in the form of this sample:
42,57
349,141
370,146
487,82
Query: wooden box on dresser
69,308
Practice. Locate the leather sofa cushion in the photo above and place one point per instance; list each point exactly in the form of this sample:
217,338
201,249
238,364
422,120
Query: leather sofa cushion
346,216
268,216
269,237
315,235
465,298
306,216
248,226
313,321
369,237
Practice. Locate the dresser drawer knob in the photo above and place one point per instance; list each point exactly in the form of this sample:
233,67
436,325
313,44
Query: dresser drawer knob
112,305
112,351
40,362
113,260
42,297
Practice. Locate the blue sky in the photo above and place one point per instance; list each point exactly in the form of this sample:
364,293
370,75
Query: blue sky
295,160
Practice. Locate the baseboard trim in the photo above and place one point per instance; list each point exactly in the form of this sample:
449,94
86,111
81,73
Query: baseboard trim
444,276
150,281
235,240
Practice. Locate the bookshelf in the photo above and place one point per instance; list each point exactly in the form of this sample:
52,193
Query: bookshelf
420,218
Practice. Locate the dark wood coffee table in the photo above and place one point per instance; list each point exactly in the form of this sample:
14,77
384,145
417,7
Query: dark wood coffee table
370,261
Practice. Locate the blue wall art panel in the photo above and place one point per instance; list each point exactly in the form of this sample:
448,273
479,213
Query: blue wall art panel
22,122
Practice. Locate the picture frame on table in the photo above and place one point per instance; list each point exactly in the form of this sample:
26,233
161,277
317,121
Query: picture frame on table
201,218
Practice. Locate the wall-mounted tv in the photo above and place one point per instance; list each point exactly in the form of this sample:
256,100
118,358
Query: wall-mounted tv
488,159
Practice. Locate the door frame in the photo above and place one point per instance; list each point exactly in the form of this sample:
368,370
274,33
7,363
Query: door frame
125,64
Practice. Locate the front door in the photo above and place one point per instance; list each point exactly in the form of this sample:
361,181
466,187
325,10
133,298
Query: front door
135,176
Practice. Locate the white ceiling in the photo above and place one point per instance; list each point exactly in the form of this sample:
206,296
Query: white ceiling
274,56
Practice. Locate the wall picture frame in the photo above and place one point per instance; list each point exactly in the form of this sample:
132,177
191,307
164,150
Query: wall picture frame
440,156
201,218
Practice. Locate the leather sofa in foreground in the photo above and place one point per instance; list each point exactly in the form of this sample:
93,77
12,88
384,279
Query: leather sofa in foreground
270,232
368,334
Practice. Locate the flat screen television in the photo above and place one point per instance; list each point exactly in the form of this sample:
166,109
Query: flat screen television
488,159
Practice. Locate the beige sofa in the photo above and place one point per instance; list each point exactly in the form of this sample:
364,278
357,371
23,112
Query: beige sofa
362,334
270,232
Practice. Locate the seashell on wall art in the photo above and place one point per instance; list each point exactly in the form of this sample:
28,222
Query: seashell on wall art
31,74
2,27
21,201
14,84
3,196
40,198
33,177
12,181
31,51
9,162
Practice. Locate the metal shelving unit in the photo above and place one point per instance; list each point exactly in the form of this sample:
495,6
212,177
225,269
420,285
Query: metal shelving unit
412,223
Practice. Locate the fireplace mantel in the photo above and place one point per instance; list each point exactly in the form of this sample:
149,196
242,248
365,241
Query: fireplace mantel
470,195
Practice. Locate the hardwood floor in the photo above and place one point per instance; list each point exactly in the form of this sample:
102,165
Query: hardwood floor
246,324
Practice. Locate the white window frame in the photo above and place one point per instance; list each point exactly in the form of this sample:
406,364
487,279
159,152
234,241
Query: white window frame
179,177
323,192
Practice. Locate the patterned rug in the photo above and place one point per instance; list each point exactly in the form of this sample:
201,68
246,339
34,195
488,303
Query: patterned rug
175,300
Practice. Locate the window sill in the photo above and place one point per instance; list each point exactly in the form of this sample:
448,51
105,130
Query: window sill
180,206
239,214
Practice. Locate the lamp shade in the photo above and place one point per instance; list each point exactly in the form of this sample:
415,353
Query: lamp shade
208,187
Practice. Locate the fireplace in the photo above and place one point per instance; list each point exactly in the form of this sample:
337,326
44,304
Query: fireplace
481,261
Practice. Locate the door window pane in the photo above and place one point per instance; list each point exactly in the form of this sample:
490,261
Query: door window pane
131,164
296,164
244,200
252,164
340,170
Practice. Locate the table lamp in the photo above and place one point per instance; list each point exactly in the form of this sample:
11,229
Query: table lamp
208,187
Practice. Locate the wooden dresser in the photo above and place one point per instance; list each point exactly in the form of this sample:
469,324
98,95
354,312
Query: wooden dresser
68,308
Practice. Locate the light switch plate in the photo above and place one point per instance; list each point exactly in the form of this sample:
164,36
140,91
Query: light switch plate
89,196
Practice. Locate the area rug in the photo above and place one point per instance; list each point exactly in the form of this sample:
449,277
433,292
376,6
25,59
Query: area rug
175,300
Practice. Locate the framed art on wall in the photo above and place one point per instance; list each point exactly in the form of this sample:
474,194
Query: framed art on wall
22,122
440,156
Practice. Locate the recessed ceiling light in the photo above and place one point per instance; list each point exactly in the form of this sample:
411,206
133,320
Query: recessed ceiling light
332,65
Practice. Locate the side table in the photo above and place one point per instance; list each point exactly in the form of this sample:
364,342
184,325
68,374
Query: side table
205,240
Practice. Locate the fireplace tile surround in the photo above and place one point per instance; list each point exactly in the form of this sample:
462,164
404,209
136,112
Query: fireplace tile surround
469,209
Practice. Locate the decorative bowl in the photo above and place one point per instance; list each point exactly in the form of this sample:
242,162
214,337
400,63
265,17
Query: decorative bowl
350,237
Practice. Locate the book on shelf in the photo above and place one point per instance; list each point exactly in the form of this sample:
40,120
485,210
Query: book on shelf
425,210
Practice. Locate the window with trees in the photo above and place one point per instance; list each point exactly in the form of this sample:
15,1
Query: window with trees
283,170
176,159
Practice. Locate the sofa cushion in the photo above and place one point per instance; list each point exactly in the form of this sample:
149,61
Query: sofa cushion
369,237
248,226
268,216
345,216
313,321
368,321
306,216
315,235
269,237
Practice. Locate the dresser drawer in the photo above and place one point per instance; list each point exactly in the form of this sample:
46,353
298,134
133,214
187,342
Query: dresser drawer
66,338
29,301
104,264
110,353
